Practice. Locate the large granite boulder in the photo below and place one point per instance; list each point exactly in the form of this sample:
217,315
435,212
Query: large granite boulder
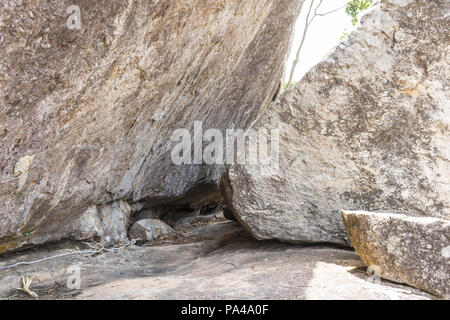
401,248
90,99
368,128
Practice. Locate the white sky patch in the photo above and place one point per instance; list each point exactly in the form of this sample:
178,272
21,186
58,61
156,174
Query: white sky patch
324,33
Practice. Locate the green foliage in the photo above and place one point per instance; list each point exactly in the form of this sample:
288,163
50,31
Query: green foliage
288,85
344,34
355,7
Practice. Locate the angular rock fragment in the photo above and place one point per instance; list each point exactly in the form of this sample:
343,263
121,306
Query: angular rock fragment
366,129
149,229
144,214
405,249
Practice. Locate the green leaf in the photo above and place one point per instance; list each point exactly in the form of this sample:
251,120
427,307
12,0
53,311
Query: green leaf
355,7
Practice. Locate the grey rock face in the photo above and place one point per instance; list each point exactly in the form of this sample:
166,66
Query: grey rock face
404,249
87,115
107,223
149,229
144,214
368,128
115,220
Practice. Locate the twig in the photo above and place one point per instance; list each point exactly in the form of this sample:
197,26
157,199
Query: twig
95,249
328,12
26,283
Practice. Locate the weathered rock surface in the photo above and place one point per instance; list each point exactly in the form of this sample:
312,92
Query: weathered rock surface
191,220
225,264
115,220
366,129
87,115
404,249
149,229
144,214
